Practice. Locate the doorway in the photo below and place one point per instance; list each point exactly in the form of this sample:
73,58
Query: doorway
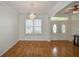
60,30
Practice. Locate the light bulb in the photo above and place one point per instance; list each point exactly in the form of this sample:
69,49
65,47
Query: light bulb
74,12
32,16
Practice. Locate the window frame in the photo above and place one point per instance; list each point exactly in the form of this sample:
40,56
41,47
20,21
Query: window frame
63,28
54,28
33,33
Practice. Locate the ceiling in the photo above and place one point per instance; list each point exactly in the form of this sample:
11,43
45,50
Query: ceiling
26,7
62,12
39,7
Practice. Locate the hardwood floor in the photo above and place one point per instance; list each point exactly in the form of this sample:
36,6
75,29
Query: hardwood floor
43,49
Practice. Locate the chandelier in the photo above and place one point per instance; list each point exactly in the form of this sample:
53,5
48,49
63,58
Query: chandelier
32,15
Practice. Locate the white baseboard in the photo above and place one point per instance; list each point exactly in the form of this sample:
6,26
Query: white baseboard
9,48
34,40
71,40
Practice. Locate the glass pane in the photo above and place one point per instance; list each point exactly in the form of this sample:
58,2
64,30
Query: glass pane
37,22
54,28
29,30
63,28
37,29
59,18
29,22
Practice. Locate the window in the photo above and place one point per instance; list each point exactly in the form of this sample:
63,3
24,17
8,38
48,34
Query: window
37,26
33,26
59,18
63,28
54,28
29,26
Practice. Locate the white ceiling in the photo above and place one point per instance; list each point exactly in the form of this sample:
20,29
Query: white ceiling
41,7
38,7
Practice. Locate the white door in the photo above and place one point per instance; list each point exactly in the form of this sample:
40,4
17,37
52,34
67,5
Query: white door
60,30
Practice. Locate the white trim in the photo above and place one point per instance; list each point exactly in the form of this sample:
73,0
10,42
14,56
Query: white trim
34,39
70,40
9,48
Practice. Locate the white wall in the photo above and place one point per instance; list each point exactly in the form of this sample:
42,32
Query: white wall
45,27
73,27
8,27
75,24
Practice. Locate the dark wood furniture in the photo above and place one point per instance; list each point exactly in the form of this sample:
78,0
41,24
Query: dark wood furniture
76,40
